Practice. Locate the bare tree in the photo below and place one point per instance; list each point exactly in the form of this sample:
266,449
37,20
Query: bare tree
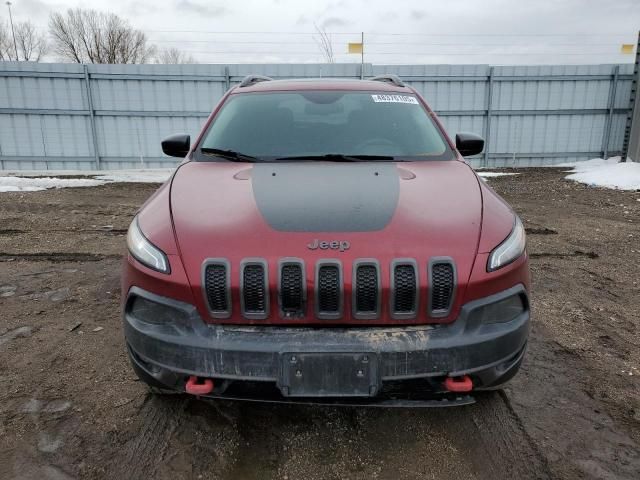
89,36
324,44
5,43
173,56
30,43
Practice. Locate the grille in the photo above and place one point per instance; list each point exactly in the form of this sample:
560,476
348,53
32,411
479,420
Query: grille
405,289
215,280
292,289
366,289
328,289
254,293
441,287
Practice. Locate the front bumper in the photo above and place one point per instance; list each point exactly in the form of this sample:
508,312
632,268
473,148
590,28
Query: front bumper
166,354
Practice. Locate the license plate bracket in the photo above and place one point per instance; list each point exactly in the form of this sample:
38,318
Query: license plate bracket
340,374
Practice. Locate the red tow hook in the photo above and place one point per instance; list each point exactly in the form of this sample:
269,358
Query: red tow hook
195,387
458,384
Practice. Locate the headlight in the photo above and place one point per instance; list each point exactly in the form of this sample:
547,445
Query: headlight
510,249
144,251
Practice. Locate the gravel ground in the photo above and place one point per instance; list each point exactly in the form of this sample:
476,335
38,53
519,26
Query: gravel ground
71,407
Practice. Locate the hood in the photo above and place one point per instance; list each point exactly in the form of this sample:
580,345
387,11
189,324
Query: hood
346,211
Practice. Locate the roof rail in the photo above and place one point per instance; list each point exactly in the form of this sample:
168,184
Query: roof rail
389,78
251,79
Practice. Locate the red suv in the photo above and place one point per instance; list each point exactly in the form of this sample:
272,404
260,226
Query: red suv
324,240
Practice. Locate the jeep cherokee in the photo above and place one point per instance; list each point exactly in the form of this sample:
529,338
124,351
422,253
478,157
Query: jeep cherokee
324,240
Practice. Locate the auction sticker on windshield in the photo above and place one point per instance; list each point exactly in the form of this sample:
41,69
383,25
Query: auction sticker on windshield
378,98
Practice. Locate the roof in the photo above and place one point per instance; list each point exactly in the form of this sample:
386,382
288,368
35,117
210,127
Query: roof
322,84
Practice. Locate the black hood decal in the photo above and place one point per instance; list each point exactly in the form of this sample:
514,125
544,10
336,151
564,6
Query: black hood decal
322,197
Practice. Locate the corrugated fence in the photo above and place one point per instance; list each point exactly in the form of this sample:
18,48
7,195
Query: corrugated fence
70,116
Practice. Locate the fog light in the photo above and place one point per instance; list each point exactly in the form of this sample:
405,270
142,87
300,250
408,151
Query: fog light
501,311
156,313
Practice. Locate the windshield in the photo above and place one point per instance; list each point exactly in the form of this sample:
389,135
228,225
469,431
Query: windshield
332,124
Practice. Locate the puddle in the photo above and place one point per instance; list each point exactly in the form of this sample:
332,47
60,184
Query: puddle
58,295
48,443
35,406
7,291
53,295
15,333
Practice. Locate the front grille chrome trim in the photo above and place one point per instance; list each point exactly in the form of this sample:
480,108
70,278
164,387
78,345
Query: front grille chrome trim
223,262
440,313
392,290
365,315
329,315
283,262
246,262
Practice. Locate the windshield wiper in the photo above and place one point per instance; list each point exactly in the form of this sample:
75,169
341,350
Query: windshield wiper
339,157
229,154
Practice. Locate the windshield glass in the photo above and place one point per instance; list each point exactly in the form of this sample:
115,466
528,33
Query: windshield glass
286,125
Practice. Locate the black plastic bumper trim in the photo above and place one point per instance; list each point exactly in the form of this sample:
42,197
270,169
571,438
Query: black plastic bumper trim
254,352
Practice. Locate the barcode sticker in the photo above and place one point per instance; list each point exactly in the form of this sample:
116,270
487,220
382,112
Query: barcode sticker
379,98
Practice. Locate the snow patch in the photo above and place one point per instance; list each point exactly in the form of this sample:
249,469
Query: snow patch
138,176
31,182
22,184
588,164
496,174
607,173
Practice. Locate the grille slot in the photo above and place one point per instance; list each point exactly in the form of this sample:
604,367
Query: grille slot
329,290
216,280
254,293
442,276
404,283
366,289
292,289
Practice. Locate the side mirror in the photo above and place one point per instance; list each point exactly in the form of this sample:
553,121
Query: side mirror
176,145
469,144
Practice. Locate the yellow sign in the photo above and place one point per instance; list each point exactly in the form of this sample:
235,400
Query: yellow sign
355,48
627,48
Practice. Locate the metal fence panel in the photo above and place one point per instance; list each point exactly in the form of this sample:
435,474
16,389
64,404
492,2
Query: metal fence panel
69,116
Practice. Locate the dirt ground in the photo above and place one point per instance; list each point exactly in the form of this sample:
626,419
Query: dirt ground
71,407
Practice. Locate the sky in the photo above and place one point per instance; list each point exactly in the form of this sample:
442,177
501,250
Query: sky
405,31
